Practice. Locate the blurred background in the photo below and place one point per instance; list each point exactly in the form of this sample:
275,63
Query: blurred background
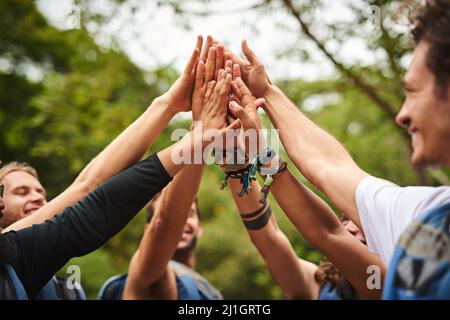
74,74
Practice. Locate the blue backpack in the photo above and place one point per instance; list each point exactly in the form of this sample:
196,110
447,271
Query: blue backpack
420,267
341,291
190,285
11,288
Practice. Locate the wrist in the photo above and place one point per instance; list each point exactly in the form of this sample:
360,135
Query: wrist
164,103
272,92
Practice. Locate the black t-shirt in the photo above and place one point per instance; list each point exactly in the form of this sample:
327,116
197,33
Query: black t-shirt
44,248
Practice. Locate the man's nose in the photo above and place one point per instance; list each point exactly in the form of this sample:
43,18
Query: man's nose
403,119
37,197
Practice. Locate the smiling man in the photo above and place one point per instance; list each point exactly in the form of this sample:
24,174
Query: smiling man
23,194
408,227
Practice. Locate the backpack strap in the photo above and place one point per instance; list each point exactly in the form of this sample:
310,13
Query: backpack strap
341,291
191,291
64,293
48,292
112,289
19,290
420,266
203,289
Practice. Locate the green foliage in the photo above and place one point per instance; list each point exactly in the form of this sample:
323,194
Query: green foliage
88,94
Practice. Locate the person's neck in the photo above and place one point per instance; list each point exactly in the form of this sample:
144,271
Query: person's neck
186,257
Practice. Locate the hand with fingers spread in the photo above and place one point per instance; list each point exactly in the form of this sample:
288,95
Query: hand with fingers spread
253,71
247,112
214,111
179,96
211,61
251,135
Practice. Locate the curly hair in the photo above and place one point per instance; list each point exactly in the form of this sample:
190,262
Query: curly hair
431,24
327,272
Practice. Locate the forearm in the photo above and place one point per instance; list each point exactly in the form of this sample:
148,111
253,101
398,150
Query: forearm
317,154
294,276
166,227
84,227
320,227
304,141
127,149
312,217
187,151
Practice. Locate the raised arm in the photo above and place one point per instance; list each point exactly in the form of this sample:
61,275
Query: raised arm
44,248
149,268
317,154
312,216
294,276
127,148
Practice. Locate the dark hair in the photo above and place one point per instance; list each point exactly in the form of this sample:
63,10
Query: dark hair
152,204
327,272
431,23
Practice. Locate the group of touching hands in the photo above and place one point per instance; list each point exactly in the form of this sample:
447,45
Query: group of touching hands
222,90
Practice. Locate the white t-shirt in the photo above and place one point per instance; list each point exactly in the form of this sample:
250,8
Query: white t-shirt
385,210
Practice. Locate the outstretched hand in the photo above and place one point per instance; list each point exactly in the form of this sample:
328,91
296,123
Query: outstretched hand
248,116
211,61
179,96
253,71
216,99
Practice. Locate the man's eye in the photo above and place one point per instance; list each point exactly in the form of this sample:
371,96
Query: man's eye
21,192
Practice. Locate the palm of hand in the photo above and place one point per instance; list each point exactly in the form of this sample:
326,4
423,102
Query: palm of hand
256,79
180,93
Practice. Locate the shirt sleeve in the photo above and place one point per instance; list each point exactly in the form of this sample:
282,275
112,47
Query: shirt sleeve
385,210
80,229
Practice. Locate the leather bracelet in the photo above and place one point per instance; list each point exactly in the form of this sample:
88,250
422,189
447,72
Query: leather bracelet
253,214
261,221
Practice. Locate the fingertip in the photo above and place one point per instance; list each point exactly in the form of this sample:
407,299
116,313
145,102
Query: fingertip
234,105
260,102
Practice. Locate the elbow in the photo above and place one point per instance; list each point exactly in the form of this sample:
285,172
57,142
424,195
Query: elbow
323,237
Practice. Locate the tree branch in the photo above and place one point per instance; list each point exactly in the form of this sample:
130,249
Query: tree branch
366,88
